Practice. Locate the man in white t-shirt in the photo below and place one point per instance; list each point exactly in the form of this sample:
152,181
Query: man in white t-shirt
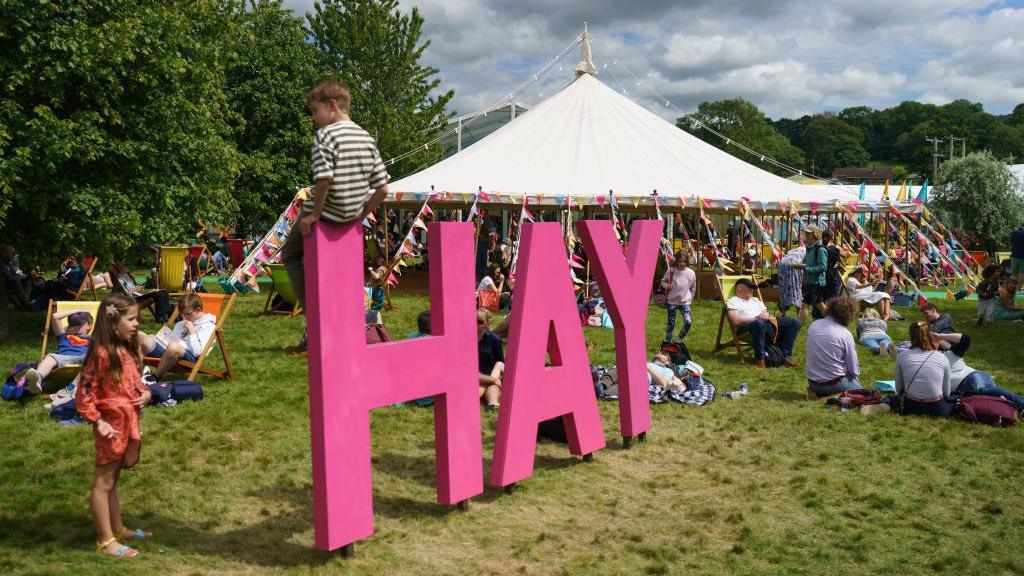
749,315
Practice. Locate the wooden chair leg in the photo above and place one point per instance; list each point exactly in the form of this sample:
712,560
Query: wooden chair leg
228,373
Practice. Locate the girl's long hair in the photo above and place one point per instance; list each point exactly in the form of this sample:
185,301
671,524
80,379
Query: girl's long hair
112,309
921,336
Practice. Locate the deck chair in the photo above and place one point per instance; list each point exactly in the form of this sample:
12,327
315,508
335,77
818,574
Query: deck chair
220,306
67,373
88,264
726,290
283,286
170,274
195,255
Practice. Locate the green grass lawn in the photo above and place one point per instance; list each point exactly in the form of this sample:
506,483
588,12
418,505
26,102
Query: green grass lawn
768,484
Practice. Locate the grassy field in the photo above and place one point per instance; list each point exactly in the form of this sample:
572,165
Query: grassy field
768,484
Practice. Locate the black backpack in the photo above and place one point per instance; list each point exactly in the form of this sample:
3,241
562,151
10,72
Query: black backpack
677,352
773,356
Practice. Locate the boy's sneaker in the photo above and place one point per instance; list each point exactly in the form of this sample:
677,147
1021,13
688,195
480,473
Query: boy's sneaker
62,394
34,380
869,409
62,400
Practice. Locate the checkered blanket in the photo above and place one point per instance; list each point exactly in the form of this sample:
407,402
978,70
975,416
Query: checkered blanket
698,396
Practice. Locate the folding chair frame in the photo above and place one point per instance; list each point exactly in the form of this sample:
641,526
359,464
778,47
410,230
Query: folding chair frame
267,310
737,341
87,282
197,367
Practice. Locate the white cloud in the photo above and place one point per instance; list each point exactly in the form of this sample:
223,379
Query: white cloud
789,58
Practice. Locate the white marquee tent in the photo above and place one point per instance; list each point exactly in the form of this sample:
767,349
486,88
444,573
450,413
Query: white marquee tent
588,139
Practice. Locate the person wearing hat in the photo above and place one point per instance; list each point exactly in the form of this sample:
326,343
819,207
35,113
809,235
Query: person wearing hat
748,315
814,265
72,344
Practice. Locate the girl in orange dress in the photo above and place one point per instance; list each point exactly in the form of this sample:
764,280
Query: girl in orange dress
111,396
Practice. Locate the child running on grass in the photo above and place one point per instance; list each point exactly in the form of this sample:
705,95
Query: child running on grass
111,397
346,166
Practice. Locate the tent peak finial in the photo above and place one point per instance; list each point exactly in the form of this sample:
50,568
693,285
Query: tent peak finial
586,65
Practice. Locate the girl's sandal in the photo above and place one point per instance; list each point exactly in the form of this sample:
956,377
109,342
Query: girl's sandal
122,551
137,534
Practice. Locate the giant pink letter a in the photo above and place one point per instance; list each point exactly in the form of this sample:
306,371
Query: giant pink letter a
348,378
544,319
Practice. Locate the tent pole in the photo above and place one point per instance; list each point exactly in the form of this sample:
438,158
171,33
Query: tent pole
700,258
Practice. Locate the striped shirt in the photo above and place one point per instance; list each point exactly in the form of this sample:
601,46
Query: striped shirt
346,155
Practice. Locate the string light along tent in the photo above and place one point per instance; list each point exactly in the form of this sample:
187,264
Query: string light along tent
588,139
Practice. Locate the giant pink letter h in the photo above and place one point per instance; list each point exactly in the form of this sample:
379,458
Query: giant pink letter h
348,378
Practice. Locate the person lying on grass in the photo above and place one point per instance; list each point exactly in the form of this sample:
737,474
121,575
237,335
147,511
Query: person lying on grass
188,338
862,289
938,322
491,358
873,332
111,397
749,315
72,345
832,364
659,371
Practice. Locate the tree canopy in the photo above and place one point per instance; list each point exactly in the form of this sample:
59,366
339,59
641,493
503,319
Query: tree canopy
742,122
123,124
979,193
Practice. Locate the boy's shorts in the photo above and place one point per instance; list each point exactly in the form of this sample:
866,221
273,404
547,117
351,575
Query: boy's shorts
63,360
157,351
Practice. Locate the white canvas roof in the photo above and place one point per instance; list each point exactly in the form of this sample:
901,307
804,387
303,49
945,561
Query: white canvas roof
588,139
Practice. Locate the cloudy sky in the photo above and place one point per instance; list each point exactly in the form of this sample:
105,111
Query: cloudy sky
789,58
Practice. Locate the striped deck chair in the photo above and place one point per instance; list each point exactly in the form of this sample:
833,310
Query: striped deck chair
220,306
67,373
283,286
726,290
88,265
171,268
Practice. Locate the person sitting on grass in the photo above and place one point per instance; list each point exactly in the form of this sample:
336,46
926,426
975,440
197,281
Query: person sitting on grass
188,338
967,381
988,292
862,289
680,284
422,325
72,346
938,323
1006,309
832,364
923,383
873,332
491,358
749,315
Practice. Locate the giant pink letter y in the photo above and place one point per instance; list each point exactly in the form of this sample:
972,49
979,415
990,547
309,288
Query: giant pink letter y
626,286
348,378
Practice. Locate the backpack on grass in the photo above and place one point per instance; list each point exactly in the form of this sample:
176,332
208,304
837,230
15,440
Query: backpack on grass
773,356
677,352
14,386
857,397
993,410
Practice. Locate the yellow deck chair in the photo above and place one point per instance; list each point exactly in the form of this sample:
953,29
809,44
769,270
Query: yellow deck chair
726,290
170,273
283,286
88,265
220,306
67,373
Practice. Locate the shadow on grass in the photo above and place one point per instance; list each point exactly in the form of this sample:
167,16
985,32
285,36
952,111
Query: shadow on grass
784,395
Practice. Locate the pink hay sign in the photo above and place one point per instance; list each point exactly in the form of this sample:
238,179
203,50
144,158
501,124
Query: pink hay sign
348,378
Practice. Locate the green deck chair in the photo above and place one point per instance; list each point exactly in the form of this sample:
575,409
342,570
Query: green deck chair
283,286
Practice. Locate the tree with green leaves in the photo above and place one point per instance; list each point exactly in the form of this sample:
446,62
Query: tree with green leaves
979,193
742,122
267,85
114,129
375,48
831,143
